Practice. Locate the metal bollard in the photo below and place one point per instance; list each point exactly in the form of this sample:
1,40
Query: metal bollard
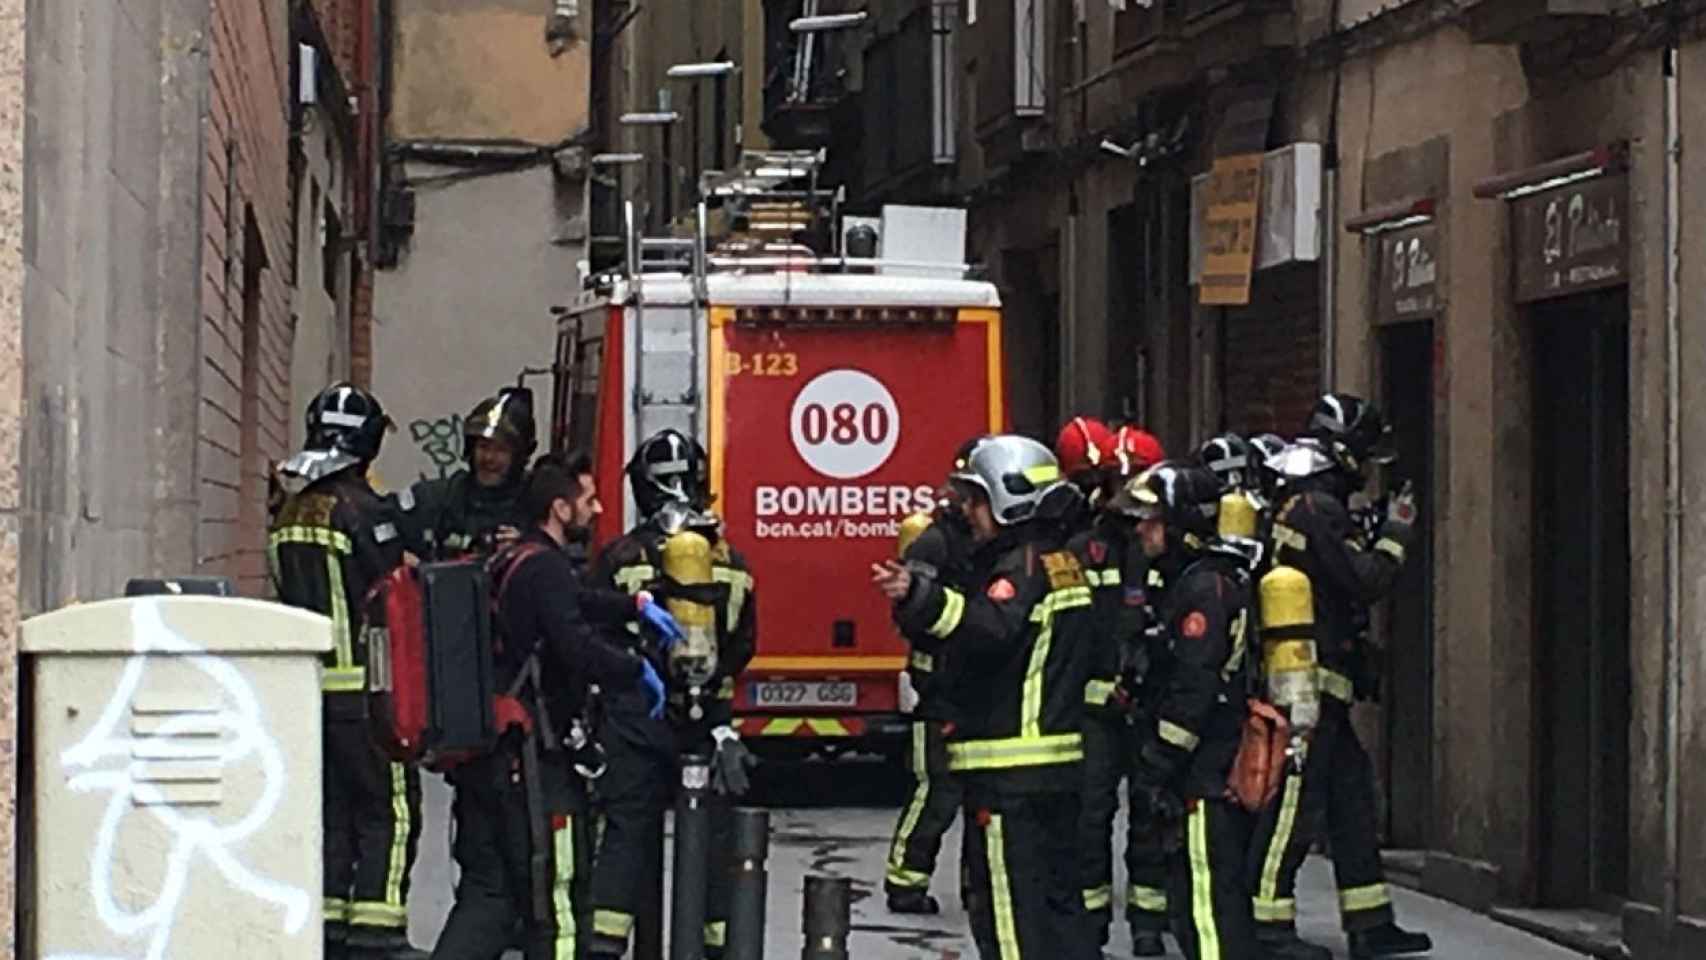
692,860
648,920
827,918
751,883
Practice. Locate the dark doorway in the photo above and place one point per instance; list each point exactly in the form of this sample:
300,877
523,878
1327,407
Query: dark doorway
1128,263
1406,353
1030,293
1581,485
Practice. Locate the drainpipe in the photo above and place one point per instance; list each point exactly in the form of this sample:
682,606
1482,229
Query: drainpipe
1673,488
1328,232
1069,294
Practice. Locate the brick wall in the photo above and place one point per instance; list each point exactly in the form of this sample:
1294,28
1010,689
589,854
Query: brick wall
245,300
1271,360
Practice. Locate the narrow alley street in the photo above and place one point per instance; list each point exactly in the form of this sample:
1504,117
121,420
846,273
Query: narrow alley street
849,837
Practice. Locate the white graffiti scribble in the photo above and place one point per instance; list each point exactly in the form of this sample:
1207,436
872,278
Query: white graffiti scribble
245,738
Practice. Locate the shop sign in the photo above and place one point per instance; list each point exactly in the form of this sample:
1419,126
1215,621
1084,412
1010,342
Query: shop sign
1572,239
1229,229
1409,274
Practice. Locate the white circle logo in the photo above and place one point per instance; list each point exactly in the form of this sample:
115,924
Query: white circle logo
845,424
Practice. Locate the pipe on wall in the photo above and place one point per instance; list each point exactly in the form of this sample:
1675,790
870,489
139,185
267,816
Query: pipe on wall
1673,487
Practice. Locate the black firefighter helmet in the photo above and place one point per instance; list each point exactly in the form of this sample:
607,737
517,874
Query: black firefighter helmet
507,416
347,419
1183,496
668,467
1352,429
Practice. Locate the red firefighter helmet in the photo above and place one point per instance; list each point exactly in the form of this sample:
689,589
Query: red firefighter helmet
1082,445
1133,451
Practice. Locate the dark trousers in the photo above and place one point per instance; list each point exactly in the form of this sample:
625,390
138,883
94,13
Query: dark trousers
372,814
1207,891
637,786
494,850
1108,749
935,802
1336,791
1019,872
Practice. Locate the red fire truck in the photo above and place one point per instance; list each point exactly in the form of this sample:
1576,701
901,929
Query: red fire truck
830,393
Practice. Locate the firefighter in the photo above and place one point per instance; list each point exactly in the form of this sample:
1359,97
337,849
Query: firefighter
1228,457
523,835
1121,662
941,550
1185,753
1313,531
1082,448
330,540
478,509
1017,647
667,476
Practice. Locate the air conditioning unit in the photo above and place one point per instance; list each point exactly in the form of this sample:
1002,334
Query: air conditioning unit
1288,224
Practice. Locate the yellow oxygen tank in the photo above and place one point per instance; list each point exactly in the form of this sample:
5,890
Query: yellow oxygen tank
693,660
1288,652
1237,516
911,529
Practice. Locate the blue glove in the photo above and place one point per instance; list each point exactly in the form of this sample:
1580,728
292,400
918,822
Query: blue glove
653,685
662,623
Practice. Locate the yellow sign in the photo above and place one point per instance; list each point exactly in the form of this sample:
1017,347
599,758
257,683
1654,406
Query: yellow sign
1229,230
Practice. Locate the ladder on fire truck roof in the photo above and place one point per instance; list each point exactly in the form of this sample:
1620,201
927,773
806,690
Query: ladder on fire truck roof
768,193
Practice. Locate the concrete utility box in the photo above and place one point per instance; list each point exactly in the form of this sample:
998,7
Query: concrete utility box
177,778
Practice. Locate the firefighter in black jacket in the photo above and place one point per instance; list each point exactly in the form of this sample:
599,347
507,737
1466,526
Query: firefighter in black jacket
941,551
523,831
1017,649
667,477
476,510
1313,531
1186,752
331,539
1120,662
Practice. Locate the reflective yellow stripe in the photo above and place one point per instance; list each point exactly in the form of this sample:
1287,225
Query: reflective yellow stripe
1146,899
1267,890
612,923
1359,899
1391,548
1031,706
1156,579
1337,685
922,661
1274,911
953,609
398,867
905,879
1104,578
563,844
631,579
1015,752
343,653
1098,692
335,910
326,537
1202,887
1067,598
740,584
898,875
1099,898
1287,537
716,934
345,680
1000,890
366,913
1177,736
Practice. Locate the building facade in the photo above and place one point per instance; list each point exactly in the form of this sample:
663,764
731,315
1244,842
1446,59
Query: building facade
483,212
1474,212
153,368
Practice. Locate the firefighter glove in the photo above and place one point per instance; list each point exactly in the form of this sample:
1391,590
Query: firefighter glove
653,685
1401,508
662,624
730,763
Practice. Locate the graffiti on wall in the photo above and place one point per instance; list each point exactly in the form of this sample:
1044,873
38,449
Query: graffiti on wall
169,766
440,443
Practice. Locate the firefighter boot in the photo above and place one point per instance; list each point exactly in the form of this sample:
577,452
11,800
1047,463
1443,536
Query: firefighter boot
1147,943
913,901
1283,943
1388,940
